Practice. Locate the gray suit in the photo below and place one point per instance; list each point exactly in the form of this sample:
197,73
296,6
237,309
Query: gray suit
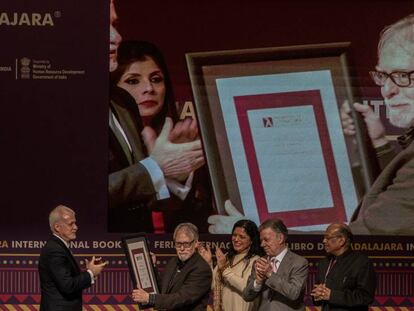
285,289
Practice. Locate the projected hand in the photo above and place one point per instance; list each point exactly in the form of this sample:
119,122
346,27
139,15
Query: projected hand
376,130
224,223
184,131
176,161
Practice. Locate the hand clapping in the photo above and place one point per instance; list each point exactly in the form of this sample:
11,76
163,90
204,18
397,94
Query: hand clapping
95,265
221,259
262,266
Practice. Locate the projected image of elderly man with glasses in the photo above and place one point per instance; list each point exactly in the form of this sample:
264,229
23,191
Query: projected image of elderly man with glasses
388,207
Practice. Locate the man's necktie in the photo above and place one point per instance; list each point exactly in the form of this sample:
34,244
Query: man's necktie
273,264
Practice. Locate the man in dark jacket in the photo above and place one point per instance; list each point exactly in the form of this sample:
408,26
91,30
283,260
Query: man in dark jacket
388,206
61,279
345,279
186,281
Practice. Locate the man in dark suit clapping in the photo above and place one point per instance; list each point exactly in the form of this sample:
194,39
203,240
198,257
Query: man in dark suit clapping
61,279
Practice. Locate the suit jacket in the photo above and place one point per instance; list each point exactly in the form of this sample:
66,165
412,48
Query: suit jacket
283,290
388,207
132,196
186,289
351,280
130,188
61,280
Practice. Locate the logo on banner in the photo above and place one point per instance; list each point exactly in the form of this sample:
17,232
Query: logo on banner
28,19
25,68
268,122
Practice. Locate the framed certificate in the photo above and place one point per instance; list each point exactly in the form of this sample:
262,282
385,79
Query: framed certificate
139,263
270,123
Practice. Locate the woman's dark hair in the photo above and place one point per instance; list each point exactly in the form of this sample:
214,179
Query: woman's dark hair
251,230
132,51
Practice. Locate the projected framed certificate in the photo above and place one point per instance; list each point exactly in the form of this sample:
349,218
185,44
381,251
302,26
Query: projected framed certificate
270,124
139,263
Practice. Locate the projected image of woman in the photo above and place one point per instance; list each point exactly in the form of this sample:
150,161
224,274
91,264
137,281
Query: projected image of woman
143,73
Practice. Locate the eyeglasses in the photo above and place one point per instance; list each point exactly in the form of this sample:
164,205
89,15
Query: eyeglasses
327,237
400,78
183,244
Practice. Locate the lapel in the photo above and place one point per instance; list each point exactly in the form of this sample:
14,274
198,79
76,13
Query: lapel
72,260
168,274
116,153
179,277
286,262
323,268
120,139
128,118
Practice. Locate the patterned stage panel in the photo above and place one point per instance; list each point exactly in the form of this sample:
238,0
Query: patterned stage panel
20,288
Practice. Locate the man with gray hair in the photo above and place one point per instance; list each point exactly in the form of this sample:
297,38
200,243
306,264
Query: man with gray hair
280,277
61,279
345,279
186,280
388,207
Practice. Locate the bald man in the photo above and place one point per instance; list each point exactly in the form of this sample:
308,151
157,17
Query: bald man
345,279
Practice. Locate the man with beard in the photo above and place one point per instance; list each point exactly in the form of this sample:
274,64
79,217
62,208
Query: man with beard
388,207
186,281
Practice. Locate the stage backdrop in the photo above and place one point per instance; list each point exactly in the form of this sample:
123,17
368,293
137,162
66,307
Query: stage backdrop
54,93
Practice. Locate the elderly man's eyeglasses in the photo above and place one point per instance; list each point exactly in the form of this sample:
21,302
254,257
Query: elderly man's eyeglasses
183,244
400,78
